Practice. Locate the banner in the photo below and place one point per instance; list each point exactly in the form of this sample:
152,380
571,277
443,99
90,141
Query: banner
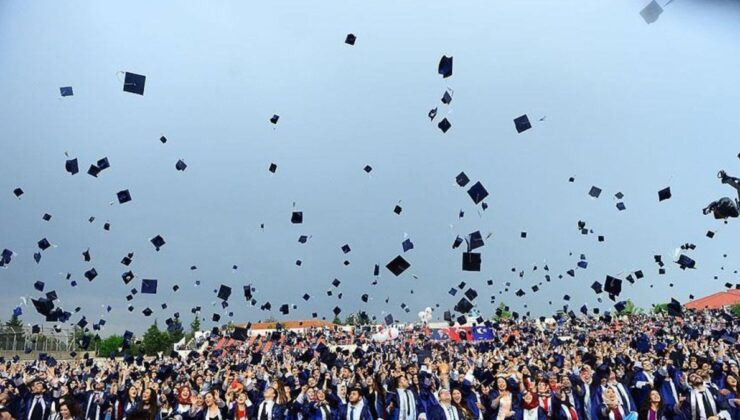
482,333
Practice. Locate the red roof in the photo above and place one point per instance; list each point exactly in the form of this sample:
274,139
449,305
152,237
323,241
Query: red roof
717,300
308,323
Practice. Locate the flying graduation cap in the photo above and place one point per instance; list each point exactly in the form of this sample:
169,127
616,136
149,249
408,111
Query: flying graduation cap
398,265
651,12
445,66
134,83
66,91
350,39
149,286
522,123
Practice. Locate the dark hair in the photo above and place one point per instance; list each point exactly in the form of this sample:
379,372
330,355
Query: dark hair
645,409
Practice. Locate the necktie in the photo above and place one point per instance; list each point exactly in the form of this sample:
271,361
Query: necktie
617,414
352,413
707,406
325,410
408,404
263,416
37,413
573,414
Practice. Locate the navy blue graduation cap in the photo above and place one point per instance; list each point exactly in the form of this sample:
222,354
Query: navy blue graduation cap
522,123
18,192
46,217
477,192
303,239
91,274
621,206
94,171
180,165
350,39
163,139
594,192
376,270
398,265
457,242
39,285
44,244
124,196
158,242
296,217
471,294
584,310
461,179
407,245
620,306
274,119
664,194
134,83
471,261
71,166
388,319
475,240
582,264
675,308
147,312
446,98
103,163
52,295
445,66
432,113
346,249
66,91
149,286
444,125
367,168
272,168
224,292
127,277
613,285
685,262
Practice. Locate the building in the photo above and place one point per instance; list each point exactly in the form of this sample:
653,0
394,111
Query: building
716,301
263,328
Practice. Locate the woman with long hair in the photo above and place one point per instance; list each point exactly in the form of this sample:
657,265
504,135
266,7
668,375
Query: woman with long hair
149,404
531,409
652,408
241,408
459,403
67,411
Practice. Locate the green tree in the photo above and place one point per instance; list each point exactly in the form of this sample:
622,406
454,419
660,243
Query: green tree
154,340
195,325
630,308
336,321
501,312
15,325
357,319
735,309
175,332
660,308
110,345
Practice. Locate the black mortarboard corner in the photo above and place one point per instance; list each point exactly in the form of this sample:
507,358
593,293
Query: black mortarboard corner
134,83
522,123
445,66
398,265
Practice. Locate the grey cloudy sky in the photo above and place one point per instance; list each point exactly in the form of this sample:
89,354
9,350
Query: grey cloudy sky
629,107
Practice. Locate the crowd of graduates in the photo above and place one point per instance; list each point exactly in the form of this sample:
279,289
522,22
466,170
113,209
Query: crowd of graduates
646,367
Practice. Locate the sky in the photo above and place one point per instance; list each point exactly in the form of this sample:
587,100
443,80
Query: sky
626,106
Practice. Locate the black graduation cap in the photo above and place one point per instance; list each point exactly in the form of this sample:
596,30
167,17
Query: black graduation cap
397,209
477,192
134,83
337,310
638,274
44,244
35,330
620,306
461,179
664,194
336,282
66,91
86,255
127,277
18,192
710,234
43,306
346,249
675,308
297,217
613,285
367,168
398,265
180,165
274,119
471,294
149,286
594,192
445,66
248,292
158,242
444,125
39,285
224,292
684,262
285,309
458,241
52,295
106,226
365,297
522,123
446,98
103,163
471,261
350,40
91,274
520,293
175,288
272,168
71,166
432,113
475,240
124,196
163,139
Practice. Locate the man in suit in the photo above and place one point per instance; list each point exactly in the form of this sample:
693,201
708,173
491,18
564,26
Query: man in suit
269,409
356,407
444,410
402,402
701,403
96,402
36,406
583,388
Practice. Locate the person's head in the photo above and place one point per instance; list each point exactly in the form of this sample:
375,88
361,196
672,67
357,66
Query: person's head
149,396
445,397
132,393
647,366
501,383
354,395
695,380
63,390
529,400
542,387
269,394
241,398
610,398
403,382
38,387
731,381
655,397
320,395
99,385
456,396
586,374
64,410
209,399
